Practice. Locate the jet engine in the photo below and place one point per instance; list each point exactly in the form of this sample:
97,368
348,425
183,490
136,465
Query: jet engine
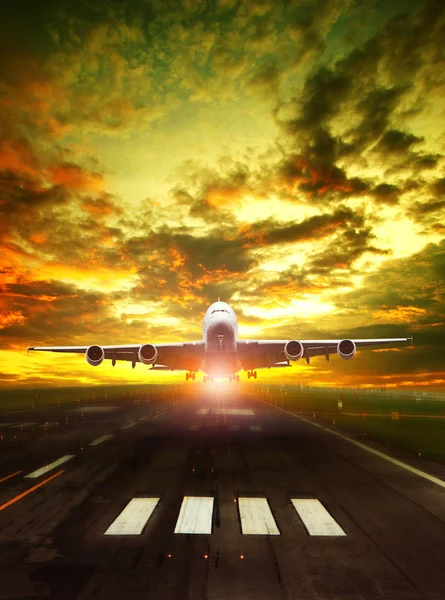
94,355
293,350
148,354
346,349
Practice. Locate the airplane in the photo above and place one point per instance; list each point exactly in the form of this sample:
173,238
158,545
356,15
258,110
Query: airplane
220,353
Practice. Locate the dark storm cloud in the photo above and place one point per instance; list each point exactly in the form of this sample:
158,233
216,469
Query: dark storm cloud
420,209
417,281
271,232
54,313
386,193
430,212
353,84
438,187
348,246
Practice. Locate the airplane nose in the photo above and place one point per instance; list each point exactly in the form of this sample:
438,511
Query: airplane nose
219,325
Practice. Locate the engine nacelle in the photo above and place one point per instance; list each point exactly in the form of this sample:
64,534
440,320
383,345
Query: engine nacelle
148,354
293,350
346,349
94,355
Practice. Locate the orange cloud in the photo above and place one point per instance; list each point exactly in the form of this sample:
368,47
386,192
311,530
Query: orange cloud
38,238
16,156
7,319
400,314
75,178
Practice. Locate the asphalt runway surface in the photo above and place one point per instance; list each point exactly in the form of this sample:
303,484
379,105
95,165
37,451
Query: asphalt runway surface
235,499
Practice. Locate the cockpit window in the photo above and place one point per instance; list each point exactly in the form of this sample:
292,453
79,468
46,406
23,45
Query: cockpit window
220,310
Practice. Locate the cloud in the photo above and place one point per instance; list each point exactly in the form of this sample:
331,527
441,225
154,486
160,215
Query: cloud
272,233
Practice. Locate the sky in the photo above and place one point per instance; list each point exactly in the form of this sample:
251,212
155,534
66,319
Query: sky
287,156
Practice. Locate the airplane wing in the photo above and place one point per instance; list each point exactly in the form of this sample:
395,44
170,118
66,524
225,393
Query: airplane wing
255,354
180,356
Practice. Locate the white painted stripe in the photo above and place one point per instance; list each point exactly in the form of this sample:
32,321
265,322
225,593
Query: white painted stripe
128,425
394,461
195,515
49,467
256,517
255,428
133,518
193,427
233,427
98,441
316,518
234,411
203,411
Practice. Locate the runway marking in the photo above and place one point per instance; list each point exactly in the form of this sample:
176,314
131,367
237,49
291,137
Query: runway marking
203,411
31,489
11,475
234,411
134,517
128,425
158,415
193,427
256,517
316,518
99,440
195,515
49,467
255,428
233,427
390,459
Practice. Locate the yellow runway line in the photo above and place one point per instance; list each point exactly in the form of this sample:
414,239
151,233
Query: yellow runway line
9,476
31,489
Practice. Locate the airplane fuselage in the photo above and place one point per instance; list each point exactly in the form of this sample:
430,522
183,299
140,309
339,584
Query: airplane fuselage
220,335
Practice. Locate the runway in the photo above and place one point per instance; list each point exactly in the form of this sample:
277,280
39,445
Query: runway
208,496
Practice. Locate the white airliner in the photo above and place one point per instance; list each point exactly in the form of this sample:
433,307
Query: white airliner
220,353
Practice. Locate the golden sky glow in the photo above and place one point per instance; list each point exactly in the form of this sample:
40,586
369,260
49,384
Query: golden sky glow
286,156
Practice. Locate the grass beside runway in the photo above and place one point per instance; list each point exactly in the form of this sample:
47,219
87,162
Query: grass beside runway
413,422
34,398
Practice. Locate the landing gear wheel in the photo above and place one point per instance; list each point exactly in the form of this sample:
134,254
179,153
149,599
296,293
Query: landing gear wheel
193,376
254,374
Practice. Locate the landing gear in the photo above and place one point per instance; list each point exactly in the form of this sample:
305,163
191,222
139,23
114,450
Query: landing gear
251,374
207,378
190,376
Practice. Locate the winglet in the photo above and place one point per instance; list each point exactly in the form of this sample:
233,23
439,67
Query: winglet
219,300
